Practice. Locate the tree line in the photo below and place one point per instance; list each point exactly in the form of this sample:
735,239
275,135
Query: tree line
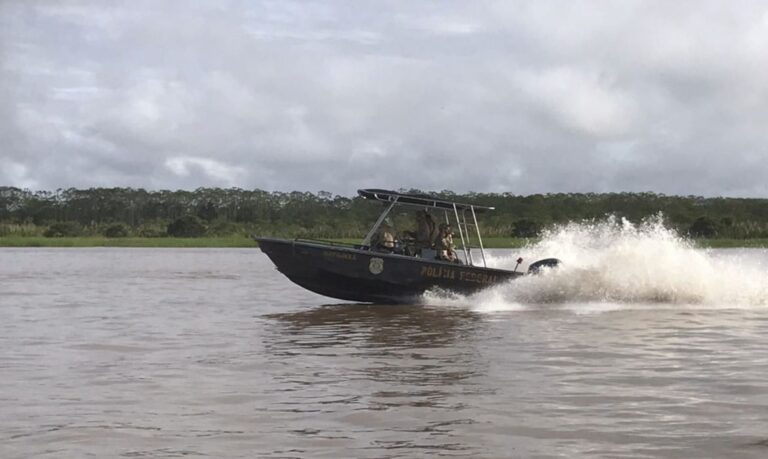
117,212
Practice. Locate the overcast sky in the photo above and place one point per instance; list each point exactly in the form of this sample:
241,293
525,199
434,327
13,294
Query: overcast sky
518,96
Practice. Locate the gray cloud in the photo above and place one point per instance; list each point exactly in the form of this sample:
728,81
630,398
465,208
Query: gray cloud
488,96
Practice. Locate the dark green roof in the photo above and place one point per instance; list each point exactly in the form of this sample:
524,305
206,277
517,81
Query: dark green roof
417,200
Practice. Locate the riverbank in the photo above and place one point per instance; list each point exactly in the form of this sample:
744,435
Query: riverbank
158,242
244,242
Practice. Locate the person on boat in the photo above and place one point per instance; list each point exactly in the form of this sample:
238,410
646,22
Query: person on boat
425,229
385,238
444,244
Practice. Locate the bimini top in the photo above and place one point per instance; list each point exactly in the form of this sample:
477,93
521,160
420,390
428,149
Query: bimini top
417,200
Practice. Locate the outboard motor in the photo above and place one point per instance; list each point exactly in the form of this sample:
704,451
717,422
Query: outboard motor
535,268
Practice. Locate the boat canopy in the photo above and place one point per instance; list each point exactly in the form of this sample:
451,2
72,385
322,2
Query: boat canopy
418,200
458,210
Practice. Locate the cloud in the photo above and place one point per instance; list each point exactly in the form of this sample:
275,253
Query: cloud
207,169
17,173
524,97
581,101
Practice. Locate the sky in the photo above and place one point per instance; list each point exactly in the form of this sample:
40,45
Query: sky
489,96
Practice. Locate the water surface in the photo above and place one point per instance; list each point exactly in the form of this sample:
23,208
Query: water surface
211,352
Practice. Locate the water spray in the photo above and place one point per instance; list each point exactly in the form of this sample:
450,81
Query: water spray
614,261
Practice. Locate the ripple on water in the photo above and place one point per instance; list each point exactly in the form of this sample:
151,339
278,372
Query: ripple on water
183,353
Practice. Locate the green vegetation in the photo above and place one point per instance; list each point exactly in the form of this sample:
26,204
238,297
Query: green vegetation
187,226
63,229
733,243
116,230
225,217
238,242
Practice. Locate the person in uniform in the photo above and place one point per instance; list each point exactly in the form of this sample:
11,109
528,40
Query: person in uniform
444,244
425,229
386,239
432,226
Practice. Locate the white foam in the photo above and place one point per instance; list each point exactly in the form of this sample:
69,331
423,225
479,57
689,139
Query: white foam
616,262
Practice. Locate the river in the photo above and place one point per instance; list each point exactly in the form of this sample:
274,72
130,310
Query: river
211,352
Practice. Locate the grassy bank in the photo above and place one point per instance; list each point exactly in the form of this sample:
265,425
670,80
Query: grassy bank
733,243
96,241
488,243
126,242
241,241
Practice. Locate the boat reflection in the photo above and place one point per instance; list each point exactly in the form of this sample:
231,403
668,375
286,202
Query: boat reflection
378,326
420,345
419,361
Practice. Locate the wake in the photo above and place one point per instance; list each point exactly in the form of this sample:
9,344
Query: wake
615,261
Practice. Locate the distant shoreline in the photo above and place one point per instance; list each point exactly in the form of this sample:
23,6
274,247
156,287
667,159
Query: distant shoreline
245,242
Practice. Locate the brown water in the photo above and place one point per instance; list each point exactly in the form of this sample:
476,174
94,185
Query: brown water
210,352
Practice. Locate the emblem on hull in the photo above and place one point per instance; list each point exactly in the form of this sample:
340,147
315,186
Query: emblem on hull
376,265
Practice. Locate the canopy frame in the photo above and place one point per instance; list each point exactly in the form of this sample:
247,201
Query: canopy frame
459,211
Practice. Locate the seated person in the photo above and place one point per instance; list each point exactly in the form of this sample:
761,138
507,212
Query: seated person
444,244
385,239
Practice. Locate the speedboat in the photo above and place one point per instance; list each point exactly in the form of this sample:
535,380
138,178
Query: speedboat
399,269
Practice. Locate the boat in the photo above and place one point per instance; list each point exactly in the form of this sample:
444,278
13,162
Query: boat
395,270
